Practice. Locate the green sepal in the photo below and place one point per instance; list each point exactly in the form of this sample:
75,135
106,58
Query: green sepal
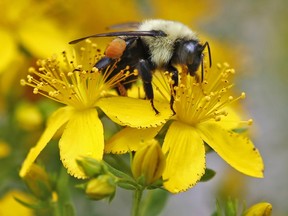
126,185
208,175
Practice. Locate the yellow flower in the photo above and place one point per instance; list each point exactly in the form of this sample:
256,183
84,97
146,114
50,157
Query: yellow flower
28,116
24,25
203,115
259,209
10,207
75,82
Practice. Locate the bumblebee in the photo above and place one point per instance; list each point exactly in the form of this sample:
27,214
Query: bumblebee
155,44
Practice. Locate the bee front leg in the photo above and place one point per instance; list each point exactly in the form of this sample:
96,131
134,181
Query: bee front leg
174,76
145,69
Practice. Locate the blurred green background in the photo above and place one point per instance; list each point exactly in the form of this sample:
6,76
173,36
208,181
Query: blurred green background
251,35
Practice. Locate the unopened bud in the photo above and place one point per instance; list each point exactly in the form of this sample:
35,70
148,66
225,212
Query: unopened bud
91,166
259,209
38,182
149,162
101,187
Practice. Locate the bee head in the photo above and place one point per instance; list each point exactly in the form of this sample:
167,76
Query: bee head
188,53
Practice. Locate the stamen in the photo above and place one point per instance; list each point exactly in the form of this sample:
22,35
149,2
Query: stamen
74,81
198,102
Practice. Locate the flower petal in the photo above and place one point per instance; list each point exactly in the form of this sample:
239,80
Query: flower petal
129,139
185,163
231,121
45,33
83,136
58,118
135,113
235,149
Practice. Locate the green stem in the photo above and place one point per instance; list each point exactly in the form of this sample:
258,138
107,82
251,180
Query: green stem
136,202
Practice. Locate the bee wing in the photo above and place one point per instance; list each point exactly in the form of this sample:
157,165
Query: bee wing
127,25
152,33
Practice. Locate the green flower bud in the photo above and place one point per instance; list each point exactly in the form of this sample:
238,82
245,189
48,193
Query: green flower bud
148,163
38,182
101,187
259,209
91,167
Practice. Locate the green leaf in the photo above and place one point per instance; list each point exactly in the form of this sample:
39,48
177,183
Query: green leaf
37,205
209,174
154,202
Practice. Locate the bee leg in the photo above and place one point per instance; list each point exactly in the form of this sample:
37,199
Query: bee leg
104,63
174,76
145,71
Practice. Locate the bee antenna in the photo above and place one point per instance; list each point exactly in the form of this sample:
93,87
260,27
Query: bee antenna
206,44
209,52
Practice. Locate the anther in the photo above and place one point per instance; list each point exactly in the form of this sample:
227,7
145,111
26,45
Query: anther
207,98
22,82
250,121
35,91
226,64
243,95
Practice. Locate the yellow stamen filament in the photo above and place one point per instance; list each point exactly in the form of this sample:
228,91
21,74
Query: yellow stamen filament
198,102
77,85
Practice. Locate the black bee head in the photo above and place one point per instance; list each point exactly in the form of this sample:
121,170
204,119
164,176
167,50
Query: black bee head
190,53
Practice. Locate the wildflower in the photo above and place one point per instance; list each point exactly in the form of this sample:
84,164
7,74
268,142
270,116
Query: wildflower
9,206
82,87
203,115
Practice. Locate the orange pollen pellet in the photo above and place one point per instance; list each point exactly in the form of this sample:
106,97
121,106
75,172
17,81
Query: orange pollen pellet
115,48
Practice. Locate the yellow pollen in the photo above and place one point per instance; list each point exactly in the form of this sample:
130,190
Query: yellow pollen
250,121
243,95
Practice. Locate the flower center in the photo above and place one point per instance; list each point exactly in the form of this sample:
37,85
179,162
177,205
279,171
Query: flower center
74,81
197,102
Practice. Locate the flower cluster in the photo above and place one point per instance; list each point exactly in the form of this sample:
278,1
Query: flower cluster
204,116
